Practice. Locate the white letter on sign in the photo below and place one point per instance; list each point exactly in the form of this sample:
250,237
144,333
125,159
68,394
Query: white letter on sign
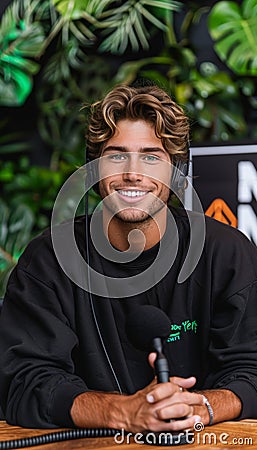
247,181
247,221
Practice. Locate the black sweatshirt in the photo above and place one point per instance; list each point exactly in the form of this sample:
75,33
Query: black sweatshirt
51,349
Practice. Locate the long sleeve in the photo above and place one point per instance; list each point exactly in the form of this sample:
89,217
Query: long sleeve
233,331
234,348
37,379
51,346
36,345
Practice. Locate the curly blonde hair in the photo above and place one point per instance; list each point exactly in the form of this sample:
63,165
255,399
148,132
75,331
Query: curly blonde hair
149,103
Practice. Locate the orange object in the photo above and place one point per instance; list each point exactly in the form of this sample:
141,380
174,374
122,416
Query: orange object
219,210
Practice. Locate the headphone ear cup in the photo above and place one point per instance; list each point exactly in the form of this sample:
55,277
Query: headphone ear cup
93,173
179,174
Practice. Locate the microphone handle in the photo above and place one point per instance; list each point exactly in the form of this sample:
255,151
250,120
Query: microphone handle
160,364
163,376
162,369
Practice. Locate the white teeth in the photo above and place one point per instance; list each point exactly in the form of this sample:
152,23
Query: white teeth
132,193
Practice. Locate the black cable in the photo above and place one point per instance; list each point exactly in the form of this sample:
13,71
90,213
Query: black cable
91,301
57,436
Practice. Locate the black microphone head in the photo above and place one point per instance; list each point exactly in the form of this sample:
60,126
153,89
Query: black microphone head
144,324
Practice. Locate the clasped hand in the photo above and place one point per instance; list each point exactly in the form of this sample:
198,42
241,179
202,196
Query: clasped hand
165,406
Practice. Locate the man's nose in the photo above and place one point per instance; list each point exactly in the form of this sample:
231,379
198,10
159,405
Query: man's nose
133,170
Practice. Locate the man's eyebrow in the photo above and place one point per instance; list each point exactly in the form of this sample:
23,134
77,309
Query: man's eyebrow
140,150
117,148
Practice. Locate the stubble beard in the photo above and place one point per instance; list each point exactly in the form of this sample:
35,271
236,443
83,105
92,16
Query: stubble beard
136,215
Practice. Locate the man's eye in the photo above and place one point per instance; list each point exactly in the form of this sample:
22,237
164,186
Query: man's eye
117,157
151,158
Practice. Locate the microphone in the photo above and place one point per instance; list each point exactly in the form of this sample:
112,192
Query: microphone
147,326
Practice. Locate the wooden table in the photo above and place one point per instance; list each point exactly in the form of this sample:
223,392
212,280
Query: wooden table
227,435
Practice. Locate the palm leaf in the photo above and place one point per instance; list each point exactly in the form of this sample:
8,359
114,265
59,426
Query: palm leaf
130,4
126,23
137,33
233,28
150,17
96,7
72,11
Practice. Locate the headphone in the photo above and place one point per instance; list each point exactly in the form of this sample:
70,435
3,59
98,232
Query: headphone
179,173
178,182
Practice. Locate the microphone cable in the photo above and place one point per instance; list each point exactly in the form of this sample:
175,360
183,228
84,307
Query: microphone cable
57,436
91,300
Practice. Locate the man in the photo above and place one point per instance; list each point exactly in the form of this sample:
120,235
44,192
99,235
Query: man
65,356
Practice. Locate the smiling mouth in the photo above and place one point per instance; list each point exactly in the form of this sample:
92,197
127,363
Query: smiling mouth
135,194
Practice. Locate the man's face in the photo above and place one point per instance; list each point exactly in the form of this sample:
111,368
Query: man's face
135,172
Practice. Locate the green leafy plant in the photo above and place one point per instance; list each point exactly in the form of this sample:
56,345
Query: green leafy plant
28,28
75,51
125,24
210,97
33,186
21,41
62,42
233,28
15,232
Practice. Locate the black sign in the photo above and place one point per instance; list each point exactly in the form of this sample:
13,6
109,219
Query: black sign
225,179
